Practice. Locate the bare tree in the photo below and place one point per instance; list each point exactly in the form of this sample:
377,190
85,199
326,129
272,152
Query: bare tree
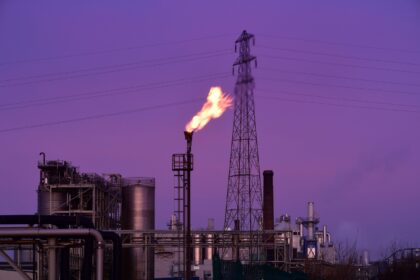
400,261
345,268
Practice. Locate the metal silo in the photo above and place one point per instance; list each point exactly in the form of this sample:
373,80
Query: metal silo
51,201
138,213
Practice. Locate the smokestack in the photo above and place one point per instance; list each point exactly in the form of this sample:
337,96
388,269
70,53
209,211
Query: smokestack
268,203
187,209
310,220
188,137
268,211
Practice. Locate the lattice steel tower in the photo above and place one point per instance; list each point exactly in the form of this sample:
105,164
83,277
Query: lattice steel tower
244,195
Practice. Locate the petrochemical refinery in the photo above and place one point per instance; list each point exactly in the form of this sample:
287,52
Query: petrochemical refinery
102,226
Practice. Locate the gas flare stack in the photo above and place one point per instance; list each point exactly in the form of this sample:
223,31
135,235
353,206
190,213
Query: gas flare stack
182,165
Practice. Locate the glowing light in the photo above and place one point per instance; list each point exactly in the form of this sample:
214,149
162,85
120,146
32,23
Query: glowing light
216,104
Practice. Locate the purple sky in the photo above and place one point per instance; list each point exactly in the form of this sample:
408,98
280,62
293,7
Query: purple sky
359,165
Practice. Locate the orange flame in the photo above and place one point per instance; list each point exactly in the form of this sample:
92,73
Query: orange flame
217,102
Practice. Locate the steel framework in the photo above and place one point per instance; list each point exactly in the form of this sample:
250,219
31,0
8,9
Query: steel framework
63,190
182,165
244,194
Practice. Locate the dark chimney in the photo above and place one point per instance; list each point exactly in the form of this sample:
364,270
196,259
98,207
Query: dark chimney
268,213
268,203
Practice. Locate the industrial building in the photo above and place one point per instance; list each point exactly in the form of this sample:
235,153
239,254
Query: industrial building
74,208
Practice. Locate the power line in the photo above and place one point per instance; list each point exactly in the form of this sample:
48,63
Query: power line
340,56
150,108
106,93
337,105
338,43
340,98
112,70
112,89
89,53
99,116
339,86
164,59
338,77
340,64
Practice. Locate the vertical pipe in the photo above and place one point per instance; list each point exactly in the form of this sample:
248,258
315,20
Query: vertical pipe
188,221
86,272
209,249
33,259
324,236
235,248
187,224
40,263
41,173
65,264
99,260
146,255
116,253
301,230
52,269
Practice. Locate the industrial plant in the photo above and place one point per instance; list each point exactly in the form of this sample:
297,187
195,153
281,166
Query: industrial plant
102,226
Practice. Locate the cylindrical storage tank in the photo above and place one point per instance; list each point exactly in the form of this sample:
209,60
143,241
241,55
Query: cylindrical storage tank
209,248
138,213
197,249
49,202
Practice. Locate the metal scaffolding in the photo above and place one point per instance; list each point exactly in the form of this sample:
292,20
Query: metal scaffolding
63,190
